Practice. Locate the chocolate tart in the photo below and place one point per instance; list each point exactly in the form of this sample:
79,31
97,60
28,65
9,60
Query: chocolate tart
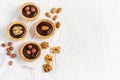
29,11
30,51
17,30
44,28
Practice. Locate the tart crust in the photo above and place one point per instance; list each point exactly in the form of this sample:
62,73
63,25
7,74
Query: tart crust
10,25
26,59
33,18
48,36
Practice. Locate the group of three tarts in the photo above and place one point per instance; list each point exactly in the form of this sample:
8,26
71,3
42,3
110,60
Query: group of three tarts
18,30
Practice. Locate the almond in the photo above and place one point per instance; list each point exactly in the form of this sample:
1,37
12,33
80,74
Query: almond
55,17
48,14
59,10
45,28
53,10
58,25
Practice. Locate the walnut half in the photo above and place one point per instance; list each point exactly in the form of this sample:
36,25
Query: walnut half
17,30
56,49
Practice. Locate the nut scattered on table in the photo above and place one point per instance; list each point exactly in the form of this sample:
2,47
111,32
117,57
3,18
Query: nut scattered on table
48,58
47,67
13,55
59,10
53,10
10,62
56,49
10,44
58,25
48,14
3,45
44,45
55,17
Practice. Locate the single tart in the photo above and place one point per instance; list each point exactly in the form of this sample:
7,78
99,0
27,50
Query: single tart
17,30
30,51
44,28
29,11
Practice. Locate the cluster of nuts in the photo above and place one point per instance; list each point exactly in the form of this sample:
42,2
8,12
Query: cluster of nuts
53,11
30,50
44,45
29,10
48,67
9,50
17,30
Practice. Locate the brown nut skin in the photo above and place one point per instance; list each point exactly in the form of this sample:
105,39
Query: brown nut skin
8,53
8,50
27,8
47,67
3,45
30,46
10,44
28,52
10,62
33,50
11,48
13,55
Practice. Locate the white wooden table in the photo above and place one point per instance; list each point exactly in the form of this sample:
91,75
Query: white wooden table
89,37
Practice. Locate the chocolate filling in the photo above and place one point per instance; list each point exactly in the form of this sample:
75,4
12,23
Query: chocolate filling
17,36
33,14
44,32
31,56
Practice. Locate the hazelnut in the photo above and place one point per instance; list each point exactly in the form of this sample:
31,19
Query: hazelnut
53,10
27,8
44,45
28,12
11,48
47,67
13,55
28,52
29,46
10,62
45,28
8,50
8,53
32,9
10,44
33,50
3,45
